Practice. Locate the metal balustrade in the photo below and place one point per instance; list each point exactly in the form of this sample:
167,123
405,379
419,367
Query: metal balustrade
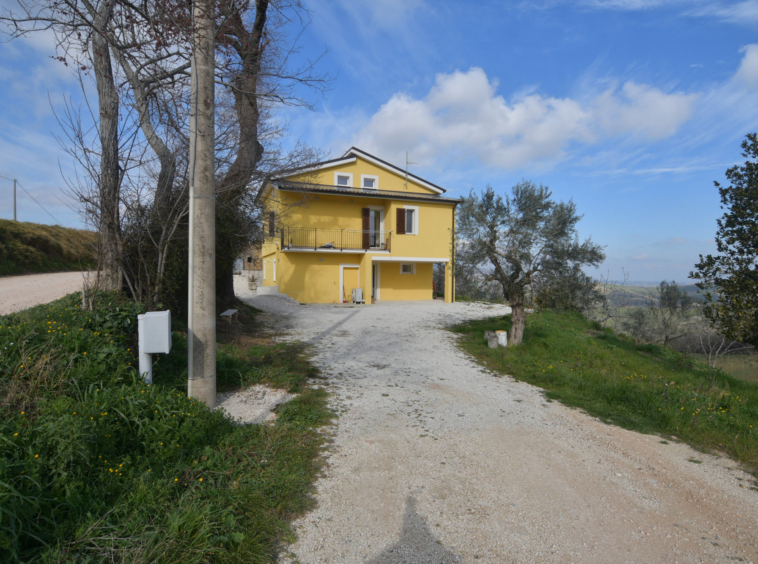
295,238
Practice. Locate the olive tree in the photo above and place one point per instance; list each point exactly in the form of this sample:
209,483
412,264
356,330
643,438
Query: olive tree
521,241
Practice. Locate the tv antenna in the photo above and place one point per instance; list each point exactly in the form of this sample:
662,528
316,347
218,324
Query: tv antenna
407,164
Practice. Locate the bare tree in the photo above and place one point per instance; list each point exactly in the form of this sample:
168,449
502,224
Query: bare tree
80,32
140,56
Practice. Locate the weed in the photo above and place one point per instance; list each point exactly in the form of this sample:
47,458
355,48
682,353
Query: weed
97,466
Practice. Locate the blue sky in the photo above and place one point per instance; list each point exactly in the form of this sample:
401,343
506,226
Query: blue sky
630,107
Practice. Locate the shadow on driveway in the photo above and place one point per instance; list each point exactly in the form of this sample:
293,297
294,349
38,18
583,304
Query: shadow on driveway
417,544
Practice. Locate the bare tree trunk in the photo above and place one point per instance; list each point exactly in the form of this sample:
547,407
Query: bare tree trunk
518,319
248,45
110,181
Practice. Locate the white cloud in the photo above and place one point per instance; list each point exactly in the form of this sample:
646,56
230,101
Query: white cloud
630,4
640,256
463,117
740,13
747,73
388,13
745,12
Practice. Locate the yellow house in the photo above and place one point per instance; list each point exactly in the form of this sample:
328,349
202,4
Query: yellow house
356,223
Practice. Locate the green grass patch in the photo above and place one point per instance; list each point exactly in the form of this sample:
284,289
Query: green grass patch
646,388
26,248
96,466
742,366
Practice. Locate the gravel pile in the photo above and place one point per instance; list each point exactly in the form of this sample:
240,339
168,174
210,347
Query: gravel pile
254,404
435,459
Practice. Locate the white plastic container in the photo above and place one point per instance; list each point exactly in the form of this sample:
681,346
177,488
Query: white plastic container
502,338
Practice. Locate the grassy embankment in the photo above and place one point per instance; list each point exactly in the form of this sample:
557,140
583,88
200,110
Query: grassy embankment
641,387
27,248
96,466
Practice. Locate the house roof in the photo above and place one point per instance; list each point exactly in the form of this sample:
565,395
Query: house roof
350,157
384,164
290,186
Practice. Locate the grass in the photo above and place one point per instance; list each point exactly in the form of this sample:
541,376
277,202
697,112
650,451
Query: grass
742,366
646,388
96,466
27,248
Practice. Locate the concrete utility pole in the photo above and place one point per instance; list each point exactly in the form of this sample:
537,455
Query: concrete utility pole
202,212
14,200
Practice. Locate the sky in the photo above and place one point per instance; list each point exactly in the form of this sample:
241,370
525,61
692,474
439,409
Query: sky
631,108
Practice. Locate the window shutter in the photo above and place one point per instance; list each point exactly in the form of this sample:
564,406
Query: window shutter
400,227
271,224
366,220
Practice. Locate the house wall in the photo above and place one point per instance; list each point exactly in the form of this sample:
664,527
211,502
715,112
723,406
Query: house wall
312,277
388,180
333,213
397,287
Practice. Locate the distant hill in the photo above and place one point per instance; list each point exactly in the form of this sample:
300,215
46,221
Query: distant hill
639,295
27,248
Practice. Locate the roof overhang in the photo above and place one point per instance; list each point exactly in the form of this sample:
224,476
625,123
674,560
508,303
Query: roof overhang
361,192
381,258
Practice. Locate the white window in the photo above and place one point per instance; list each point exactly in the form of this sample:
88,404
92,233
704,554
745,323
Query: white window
411,220
369,181
343,179
408,268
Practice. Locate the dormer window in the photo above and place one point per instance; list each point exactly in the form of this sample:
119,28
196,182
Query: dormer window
343,179
369,181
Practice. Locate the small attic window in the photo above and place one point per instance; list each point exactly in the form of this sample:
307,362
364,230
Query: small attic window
369,181
343,179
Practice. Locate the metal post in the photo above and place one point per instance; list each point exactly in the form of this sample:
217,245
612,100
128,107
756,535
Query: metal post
202,265
14,200
315,239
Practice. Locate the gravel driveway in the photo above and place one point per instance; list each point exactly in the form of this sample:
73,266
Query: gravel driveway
21,292
436,460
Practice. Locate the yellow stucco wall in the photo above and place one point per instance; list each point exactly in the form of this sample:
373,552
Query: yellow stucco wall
396,286
334,213
313,277
388,180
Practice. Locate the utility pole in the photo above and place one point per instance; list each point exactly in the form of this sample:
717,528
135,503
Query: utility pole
202,212
14,200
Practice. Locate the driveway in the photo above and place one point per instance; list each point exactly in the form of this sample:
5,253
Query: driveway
436,460
21,292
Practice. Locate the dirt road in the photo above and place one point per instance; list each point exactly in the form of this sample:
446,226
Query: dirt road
435,460
21,292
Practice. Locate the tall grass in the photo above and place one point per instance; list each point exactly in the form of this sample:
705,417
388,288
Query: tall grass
26,248
642,387
96,466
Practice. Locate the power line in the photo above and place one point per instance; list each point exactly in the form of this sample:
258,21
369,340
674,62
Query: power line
40,205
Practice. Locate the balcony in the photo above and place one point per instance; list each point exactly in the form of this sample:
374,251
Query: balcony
334,240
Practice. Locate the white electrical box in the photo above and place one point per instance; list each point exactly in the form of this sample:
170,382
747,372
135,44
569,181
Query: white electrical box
154,332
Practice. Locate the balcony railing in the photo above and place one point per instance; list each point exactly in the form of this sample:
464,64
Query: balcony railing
294,238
